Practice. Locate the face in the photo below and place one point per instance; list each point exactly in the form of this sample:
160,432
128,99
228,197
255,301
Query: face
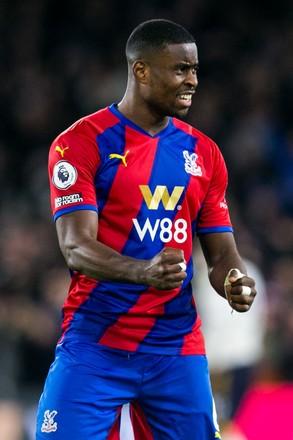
171,80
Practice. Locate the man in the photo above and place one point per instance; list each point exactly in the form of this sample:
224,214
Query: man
130,187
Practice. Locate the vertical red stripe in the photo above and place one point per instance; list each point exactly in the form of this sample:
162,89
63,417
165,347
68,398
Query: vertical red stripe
141,428
194,339
115,430
80,289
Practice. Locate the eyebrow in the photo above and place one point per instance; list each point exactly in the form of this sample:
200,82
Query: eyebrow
188,65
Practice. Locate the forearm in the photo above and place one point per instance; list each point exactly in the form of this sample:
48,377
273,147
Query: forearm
219,269
221,255
77,234
97,261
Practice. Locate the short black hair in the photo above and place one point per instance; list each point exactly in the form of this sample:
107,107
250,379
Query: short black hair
154,35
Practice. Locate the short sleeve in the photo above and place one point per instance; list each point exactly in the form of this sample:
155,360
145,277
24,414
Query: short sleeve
214,214
72,166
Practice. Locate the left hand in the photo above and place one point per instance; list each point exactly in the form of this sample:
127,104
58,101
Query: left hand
240,290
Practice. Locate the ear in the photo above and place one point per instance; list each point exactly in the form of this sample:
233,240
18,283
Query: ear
140,70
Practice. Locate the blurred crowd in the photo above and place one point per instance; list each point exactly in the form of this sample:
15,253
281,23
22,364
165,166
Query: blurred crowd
61,60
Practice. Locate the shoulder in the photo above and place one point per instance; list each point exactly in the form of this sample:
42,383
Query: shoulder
204,145
199,135
78,141
91,125
208,152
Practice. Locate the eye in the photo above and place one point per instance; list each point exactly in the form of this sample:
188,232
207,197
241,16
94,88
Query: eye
185,68
180,70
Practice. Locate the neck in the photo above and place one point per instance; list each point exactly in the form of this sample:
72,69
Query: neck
142,116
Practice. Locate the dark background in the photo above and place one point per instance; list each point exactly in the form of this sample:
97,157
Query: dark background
60,60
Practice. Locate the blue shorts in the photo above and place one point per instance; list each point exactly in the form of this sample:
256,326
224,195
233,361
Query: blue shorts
170,396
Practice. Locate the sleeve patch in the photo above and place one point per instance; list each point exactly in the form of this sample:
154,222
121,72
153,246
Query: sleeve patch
64,175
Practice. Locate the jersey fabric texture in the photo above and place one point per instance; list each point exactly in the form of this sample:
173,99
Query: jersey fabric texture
149,192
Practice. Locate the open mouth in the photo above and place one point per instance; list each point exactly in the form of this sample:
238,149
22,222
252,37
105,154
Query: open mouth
185,98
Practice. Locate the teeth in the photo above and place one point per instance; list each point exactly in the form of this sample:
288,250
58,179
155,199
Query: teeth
185,97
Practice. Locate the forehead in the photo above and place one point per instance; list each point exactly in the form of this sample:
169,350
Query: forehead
178,53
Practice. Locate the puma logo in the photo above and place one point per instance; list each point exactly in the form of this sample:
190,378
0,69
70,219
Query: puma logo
61,150
119,156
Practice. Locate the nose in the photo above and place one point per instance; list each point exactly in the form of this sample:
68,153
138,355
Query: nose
191,78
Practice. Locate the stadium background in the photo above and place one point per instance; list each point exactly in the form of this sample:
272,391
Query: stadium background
63,59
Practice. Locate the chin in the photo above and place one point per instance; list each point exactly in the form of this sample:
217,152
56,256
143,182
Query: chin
180,114
173,111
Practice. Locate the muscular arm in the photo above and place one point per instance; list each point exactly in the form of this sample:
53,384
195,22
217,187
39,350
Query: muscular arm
77,235
221,255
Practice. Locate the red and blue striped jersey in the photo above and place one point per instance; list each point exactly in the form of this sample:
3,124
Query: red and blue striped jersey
149,192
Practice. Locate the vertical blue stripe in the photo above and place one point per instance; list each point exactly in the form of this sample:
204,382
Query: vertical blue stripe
170,149
112,140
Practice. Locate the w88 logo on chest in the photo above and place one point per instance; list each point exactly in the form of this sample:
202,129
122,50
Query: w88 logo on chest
164,229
